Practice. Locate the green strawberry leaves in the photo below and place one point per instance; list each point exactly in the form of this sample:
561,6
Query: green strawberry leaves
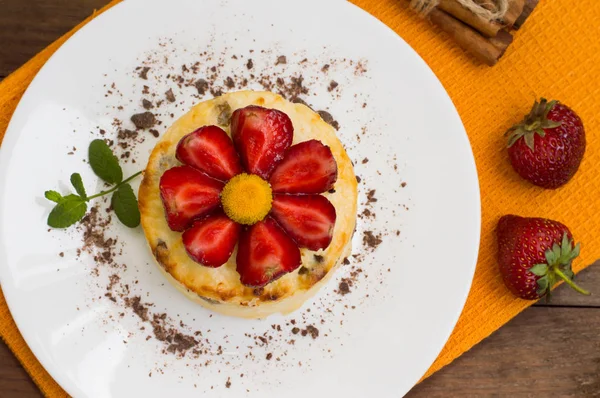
125,205
72,208
558,267
104,163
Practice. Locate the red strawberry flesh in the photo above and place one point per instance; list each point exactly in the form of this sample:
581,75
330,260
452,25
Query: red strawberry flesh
209,149
211,241
307,219
261,137
188,194
308,168
525,244
265,253
553,154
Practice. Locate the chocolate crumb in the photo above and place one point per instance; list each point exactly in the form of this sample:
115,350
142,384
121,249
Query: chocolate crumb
143,120
358,179
249,64
331,190
202,86
303,271
228,383
154,132
332,85
144,72
365,160
346,261
325,68
229,83
371,240
62,254
295,330
344,287
281,60
313,331
147,104
269,356
403,184
327,118
371,196
319,258
170,96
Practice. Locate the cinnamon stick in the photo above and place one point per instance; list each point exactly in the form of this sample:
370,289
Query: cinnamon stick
487,51
527,10
515,9
454,8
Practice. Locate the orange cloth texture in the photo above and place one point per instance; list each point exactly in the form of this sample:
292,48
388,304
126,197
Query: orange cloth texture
556,55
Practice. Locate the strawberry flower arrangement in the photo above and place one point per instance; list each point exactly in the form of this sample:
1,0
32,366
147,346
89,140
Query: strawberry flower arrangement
255,190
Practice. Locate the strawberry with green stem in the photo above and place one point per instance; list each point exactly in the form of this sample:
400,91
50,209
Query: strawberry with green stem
547,147
534,254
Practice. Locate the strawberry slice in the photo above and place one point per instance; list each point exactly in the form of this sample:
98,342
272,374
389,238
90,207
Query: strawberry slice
188,194
209,149
261,137
211,241
308,167
265,253
309,220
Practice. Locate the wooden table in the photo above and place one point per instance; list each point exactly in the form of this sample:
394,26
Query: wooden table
548,350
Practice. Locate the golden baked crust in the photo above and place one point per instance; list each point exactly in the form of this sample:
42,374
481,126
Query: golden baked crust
219,288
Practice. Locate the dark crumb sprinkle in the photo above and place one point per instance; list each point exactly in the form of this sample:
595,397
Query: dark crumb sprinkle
269,356
365,160
249,64
358,179
154,132
229,83
303,271
144,72
143,120
281,60
202,86
327,118
346,261
331,190
147,104
295,330
170,96
344,287
319,258
403,184
332,85
62,254
371,240
228,382
371,196
325,68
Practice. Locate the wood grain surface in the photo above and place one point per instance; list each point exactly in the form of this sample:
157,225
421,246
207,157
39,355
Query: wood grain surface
548,350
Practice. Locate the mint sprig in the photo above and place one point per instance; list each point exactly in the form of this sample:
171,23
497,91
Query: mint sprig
72,208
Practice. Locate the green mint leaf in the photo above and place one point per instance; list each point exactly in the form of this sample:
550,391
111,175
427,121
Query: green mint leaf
53,196
71,209
539,269
104,163
125,205
77,183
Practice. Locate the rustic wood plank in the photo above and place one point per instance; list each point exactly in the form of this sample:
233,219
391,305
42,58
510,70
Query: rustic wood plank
14,381
543,352
29,26
589,279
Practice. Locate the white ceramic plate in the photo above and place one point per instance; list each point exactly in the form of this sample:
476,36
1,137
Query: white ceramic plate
376,341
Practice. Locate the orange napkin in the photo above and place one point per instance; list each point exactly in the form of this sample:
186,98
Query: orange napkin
556,54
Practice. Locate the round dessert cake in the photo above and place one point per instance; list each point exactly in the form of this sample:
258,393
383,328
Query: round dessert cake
248,203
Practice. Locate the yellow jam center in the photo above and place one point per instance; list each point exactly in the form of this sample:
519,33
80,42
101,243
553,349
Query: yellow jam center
247,199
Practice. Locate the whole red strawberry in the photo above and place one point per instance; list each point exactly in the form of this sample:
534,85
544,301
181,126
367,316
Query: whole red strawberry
534,254
546,148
